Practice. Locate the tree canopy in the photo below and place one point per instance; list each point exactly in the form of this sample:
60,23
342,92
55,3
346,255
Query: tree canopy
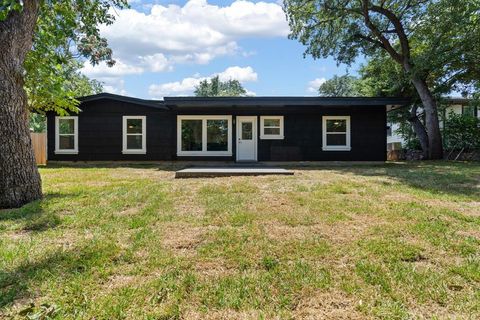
214,87
340,86
437,39
66,33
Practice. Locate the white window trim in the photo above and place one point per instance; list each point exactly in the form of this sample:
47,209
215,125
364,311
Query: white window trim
144,135
204,151
265,136
57,136
346,147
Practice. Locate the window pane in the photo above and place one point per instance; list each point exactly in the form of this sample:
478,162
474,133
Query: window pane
134,125
217,135
336,139
468,111
271,131
191,135
67,142
134,142
336,125
271,122
66,126
247,133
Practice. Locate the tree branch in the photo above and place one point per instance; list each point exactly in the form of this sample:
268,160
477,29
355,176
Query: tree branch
386,44
402,36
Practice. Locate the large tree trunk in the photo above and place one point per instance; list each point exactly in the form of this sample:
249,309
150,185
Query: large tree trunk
19,178
419,130
435,147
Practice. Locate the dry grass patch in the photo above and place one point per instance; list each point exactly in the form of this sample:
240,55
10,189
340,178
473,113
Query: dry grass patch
328,305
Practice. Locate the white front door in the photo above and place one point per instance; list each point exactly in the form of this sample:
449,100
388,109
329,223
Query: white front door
246,138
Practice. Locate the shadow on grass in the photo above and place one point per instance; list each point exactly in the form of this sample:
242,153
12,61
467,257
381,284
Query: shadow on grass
33,216
437,177
161,166
29,211
59,266
445,177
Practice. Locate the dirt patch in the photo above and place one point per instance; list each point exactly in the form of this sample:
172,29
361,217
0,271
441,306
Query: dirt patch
20,235
120,281
341,232
128,211
213,268
222,314
184,239
328,305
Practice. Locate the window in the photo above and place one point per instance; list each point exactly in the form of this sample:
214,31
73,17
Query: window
204,135
134,135
336,133
66,137
271,127
469,111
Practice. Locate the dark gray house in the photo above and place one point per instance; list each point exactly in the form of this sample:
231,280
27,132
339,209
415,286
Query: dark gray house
112,127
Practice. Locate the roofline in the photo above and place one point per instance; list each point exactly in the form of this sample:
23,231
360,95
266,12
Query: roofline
282,101
457,100
449,100
104,95
265,101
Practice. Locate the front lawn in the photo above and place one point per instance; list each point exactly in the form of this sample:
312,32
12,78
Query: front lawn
395,241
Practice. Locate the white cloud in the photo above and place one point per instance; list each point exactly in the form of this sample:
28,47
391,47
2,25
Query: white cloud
315,84
238,73
102,70
116,86
197,32
187,85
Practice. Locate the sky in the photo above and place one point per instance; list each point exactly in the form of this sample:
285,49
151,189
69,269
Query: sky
166,47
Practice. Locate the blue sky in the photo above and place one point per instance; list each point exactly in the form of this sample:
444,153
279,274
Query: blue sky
164,48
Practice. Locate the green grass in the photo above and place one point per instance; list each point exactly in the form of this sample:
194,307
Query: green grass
395,241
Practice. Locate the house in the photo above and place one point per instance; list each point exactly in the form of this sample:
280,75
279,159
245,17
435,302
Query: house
112,127
459,106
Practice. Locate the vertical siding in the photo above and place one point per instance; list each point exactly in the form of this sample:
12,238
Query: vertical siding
303,136
100,133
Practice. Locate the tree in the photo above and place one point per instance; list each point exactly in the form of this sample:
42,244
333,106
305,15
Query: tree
217,88
422,37
340,86
71,81
40,35
381,76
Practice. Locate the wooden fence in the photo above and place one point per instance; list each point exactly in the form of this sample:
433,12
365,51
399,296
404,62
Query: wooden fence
39,142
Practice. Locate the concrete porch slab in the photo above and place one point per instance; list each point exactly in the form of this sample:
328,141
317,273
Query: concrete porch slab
230,171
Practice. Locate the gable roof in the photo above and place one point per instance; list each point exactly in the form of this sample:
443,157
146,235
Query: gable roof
147,103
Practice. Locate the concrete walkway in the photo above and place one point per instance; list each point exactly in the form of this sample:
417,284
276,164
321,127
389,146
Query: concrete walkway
230,171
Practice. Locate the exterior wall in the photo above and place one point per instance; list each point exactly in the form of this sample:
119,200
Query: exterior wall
100,133
303,136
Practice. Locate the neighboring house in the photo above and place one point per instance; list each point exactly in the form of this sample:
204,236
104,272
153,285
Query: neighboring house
111,127
454,105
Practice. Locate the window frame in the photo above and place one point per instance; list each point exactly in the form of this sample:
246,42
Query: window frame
265,136
347,146
125,150
57,135
204,151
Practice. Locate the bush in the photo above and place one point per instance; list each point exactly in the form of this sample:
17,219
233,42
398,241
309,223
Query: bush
461,131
